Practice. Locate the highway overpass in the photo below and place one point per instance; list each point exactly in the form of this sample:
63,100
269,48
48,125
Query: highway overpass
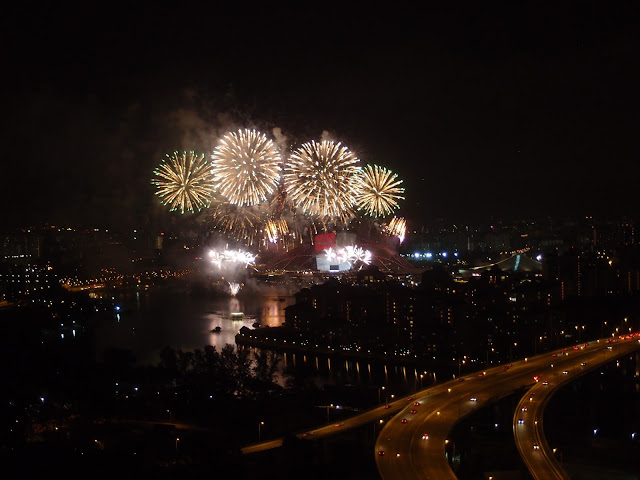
412,442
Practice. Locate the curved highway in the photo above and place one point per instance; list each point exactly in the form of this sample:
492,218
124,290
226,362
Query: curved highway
413,442
528,426
412,445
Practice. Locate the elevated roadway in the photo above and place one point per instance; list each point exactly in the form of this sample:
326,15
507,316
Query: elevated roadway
528,419
414,437
413,445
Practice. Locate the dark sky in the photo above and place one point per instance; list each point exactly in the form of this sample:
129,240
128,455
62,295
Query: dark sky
487,110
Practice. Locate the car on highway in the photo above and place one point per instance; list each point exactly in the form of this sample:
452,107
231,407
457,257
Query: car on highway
404,420
381,452
545,383
565,372
414,410
473,399
583,363
536,446
524,408
416,403
520,421
425,436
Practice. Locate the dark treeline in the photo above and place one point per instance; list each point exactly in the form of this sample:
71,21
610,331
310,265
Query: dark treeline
229,373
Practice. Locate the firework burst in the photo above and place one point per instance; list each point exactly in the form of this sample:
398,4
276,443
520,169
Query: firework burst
379,191
246,167
184,182
322,179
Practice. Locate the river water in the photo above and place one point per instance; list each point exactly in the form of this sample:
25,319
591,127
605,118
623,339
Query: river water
150,320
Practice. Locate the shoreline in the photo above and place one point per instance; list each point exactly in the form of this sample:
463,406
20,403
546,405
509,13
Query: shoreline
299,346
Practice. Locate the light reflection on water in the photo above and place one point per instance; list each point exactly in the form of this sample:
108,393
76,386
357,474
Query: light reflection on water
153,319
339,371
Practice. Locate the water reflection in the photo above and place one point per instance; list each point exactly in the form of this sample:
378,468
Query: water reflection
321,370
154,319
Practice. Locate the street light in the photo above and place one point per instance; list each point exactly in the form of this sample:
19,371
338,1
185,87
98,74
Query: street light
379,388
169,412
177,440
328,407
260,430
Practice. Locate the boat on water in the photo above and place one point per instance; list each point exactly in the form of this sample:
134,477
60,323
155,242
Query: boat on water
236,316
217,329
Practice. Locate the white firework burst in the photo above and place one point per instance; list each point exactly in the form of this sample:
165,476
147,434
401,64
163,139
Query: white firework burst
322,179
246,167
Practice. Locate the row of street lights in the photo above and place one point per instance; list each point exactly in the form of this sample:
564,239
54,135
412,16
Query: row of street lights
386,397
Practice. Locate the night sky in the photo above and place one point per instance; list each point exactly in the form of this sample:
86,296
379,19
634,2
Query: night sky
494,110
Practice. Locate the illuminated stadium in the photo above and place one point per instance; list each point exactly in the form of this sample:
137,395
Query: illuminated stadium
313,258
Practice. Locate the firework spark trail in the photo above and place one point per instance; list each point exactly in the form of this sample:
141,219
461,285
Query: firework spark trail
322,179
331,254
358,254
240,256
398,227
221,259
216,258
241,223
246,167
350,254
379,191
234,288
275,229
184,182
